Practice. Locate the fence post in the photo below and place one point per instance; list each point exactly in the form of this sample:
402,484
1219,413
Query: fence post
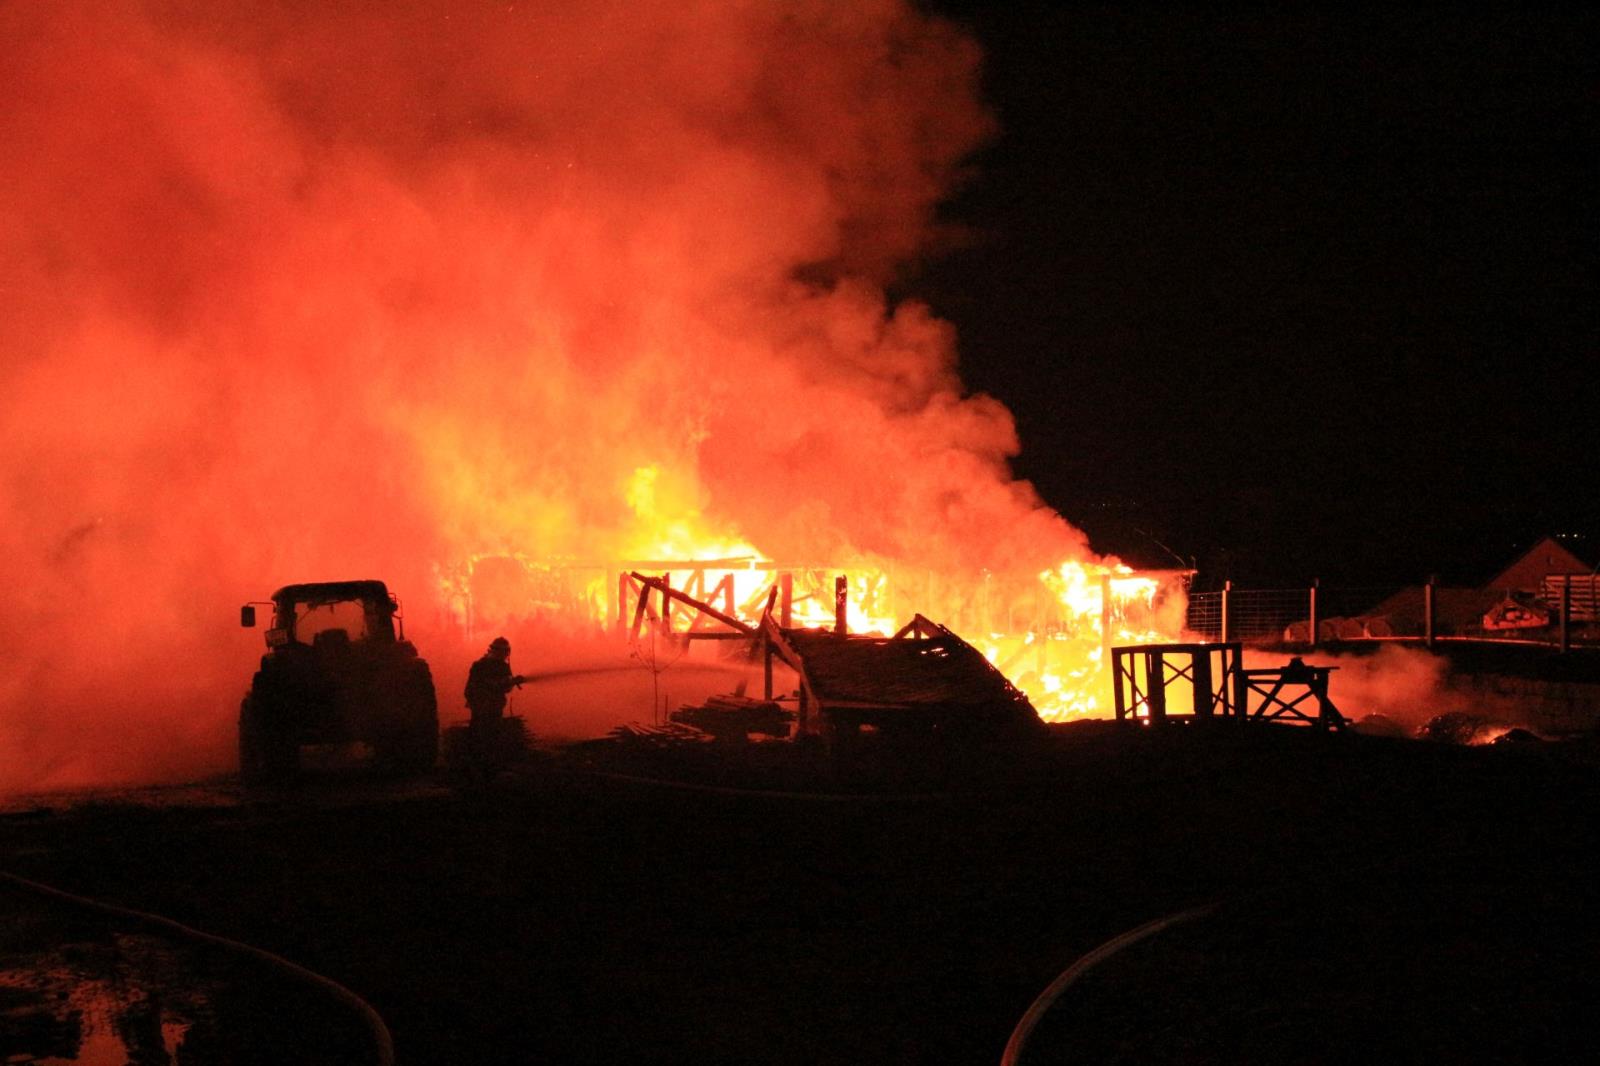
1311,637
1427,612
1566,613
1227,590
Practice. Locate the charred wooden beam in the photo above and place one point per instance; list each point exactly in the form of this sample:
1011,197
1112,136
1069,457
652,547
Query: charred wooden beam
779,644
669,593
638,614
919,627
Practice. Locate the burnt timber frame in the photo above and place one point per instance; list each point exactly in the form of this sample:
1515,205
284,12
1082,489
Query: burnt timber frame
1273,705
769,633
699,628
1221,685
775,645
839,717
782,577
632,584
1212,671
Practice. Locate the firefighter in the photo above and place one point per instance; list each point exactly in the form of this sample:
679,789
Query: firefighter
488,683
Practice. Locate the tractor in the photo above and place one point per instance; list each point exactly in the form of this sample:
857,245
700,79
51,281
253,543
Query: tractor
336,672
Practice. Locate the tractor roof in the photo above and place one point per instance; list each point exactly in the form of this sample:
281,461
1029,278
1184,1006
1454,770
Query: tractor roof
332,592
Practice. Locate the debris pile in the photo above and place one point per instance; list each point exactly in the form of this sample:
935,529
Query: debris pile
736,717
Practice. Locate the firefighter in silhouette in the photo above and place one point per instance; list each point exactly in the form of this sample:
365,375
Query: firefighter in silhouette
488,683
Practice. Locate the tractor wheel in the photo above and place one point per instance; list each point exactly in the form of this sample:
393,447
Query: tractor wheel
411,745
266,752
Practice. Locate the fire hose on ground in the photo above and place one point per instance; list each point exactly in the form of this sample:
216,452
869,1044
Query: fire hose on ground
382,1040
1046,999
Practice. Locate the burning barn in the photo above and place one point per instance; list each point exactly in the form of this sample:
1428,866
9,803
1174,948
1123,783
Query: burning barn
1048,632
601,306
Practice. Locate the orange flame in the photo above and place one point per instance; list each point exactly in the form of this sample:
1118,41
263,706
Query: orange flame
1050,637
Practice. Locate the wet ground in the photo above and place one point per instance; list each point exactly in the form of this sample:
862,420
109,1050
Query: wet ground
72,990
82,987
559,916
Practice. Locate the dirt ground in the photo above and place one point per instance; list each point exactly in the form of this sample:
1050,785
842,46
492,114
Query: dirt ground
561,916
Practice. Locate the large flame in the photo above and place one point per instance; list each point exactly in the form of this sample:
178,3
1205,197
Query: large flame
1049,631
309,292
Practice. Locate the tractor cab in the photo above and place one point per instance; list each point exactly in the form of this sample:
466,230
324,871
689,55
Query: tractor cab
336,671
329,613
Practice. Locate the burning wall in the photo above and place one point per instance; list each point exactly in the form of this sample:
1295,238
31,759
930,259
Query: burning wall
302,291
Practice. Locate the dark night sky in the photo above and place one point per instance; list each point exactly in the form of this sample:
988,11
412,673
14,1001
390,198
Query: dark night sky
1293,295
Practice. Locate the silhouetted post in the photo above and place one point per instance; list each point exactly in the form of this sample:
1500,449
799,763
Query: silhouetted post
666,602
1311,637
1427,612
1227,591
768,672
1155,686
1241,684
1566,613
1200,669
786,600
1118,699
841,602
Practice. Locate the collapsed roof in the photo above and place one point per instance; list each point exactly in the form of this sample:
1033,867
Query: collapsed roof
925,671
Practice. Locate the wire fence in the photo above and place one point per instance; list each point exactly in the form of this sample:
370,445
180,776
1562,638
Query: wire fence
1560,613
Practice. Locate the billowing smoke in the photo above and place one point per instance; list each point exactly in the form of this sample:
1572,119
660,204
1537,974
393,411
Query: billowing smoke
297,291
1399,688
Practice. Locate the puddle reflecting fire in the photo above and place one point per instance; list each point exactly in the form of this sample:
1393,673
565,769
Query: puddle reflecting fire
97,1003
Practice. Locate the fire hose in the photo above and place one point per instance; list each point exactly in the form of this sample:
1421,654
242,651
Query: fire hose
382,1040
1046,999
615,668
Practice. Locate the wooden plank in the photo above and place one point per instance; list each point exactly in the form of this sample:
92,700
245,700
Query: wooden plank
1155,679
671,593
1200,677
724,589
779,643
638,614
